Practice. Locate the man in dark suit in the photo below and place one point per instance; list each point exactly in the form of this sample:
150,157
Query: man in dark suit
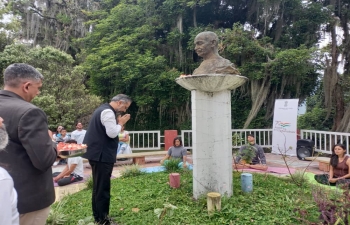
101,139
30,153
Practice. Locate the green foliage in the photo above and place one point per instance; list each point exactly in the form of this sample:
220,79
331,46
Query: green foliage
298,178
168,209
56,217
131,171
315,117
64,97
150,191
172,165
86,221
237,140
139,48
89,183
248,153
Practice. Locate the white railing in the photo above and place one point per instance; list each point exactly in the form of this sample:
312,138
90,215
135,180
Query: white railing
145,140
186,136
325,140
263,137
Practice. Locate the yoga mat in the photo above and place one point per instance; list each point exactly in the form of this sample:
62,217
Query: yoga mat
311,179
155,169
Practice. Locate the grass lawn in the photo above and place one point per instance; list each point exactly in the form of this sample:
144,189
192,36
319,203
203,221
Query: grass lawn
134,200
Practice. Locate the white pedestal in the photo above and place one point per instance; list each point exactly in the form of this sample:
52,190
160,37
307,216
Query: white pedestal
212,142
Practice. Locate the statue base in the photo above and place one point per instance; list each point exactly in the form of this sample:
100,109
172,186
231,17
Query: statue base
212,142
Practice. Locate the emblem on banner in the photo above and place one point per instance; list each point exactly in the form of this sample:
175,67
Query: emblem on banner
280,124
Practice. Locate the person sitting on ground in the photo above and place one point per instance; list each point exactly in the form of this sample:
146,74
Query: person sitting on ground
124,141
258,162
57,133
339,171
79,133
177,151
63,136
73,172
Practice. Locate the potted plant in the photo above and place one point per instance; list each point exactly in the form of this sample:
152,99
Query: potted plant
248,154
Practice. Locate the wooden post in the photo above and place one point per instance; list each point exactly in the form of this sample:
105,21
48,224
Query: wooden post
213,201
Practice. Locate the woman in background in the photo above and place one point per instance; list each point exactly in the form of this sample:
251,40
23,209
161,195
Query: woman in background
339,172
177,151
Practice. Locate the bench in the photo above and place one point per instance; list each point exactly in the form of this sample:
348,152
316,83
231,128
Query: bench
139,158
323,162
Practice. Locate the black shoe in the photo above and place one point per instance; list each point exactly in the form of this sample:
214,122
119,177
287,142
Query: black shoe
62,162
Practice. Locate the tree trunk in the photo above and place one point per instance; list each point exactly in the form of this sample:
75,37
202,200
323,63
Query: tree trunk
179,26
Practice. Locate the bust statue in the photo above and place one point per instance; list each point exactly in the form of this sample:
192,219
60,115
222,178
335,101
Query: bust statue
206,46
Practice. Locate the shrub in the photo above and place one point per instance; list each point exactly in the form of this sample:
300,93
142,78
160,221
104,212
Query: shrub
172,165
298,177
333,205
248,153
131,171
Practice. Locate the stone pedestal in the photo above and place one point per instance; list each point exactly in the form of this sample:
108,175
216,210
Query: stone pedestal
211,131
212,142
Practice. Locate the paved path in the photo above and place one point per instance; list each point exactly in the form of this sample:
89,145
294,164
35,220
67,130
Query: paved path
273,160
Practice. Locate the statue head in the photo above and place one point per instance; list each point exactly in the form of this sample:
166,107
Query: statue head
206,44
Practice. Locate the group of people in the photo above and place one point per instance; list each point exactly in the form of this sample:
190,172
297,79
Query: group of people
28,150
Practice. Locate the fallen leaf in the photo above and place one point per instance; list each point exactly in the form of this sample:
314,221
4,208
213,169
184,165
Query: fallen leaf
135,210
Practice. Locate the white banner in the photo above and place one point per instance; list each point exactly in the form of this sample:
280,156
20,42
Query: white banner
284,134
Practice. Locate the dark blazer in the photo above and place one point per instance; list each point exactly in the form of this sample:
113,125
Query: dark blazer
30,153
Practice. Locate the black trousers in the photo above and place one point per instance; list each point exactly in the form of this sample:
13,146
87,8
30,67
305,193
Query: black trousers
101,192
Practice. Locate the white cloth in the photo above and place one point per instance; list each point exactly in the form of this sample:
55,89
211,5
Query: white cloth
109,121
8,200
78,135
79,169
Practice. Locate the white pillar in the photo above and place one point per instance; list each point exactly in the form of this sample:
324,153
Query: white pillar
212,142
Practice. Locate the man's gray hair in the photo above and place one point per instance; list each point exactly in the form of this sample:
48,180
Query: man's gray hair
18,72
121,97
4,138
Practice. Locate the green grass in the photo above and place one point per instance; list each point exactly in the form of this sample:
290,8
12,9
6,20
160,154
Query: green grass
273,201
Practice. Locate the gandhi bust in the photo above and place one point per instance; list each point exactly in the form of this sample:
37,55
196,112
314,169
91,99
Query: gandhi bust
206,46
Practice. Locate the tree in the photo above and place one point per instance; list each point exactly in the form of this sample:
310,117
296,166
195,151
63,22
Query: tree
64,97
140,47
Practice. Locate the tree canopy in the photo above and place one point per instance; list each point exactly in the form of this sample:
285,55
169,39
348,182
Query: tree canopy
139,48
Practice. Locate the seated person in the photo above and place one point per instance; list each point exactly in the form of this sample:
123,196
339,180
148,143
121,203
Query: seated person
177,151
63,136
124,141
73,172
258,162
339,171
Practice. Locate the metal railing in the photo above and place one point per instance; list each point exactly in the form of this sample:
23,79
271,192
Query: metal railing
263,137
325,140
145,140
